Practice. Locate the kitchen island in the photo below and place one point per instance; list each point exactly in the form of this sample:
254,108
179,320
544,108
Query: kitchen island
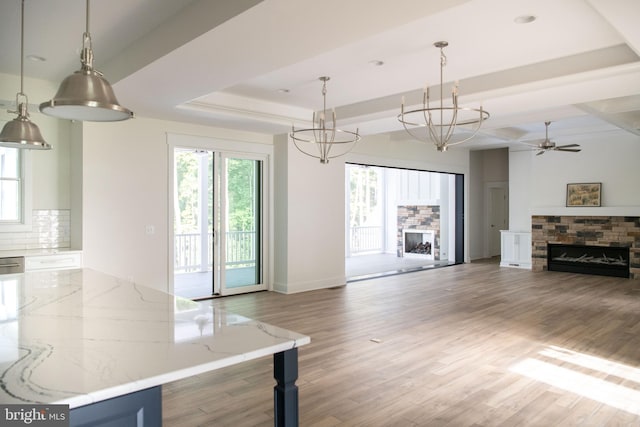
105,346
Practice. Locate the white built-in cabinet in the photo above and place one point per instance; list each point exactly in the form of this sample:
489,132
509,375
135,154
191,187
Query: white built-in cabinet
516,249
57,261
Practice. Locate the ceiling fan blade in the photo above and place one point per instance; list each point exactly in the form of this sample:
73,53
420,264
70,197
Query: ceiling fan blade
568,146
539,153
573,150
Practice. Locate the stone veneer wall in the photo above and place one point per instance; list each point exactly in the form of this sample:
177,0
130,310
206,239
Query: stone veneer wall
420,217
50,229
585,230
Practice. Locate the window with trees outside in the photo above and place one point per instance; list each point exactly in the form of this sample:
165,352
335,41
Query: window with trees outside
366,221
11,186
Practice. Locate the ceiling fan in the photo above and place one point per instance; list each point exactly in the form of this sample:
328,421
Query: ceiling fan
548,145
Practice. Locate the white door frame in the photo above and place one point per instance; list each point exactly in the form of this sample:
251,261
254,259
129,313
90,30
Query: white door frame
231,148
487,211
220,240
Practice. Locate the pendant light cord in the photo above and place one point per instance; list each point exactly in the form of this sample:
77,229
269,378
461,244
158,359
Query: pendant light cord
21,107
22,52
87,21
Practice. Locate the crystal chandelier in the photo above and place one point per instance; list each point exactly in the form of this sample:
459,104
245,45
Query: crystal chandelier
438,123
324,141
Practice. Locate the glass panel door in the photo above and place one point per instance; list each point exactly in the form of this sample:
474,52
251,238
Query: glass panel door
241,224
193,201
218,223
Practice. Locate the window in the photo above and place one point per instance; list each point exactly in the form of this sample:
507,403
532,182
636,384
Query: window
15,196
10,185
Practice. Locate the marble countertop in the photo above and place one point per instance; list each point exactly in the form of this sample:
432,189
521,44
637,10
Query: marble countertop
79,336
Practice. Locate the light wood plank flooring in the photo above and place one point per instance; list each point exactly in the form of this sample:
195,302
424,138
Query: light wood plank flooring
468,345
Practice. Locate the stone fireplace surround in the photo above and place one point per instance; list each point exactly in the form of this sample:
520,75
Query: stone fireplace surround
425,217
585,230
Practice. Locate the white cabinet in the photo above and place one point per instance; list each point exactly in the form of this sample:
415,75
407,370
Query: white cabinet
57,261
516,249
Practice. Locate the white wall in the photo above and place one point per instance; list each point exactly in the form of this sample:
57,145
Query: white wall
384,150
281,212
75,160
538,183
520,181
475,209
125,189
310,211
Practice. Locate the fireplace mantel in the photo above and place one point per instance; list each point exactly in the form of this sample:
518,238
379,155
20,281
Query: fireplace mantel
626,211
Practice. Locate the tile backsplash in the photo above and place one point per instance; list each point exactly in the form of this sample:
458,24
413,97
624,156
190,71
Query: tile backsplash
50,229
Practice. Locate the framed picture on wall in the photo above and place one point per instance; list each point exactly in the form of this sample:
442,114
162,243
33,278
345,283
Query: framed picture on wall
584,194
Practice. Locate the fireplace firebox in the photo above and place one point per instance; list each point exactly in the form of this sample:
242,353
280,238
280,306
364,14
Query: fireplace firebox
417,243
600,260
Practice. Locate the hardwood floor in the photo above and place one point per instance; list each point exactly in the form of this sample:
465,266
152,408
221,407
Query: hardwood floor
468,345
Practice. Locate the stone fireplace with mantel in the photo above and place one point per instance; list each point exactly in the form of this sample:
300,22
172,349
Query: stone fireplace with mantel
590,235
419,226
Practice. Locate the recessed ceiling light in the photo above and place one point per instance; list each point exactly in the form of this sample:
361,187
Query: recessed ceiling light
376,63
524,19
36,58
283,90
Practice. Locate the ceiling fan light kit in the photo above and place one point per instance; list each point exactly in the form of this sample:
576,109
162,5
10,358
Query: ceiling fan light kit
548,145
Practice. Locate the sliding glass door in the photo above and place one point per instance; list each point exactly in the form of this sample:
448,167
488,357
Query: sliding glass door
240,218
218,223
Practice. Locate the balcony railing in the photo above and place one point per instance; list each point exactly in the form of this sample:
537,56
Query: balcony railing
241,248
365,239
188,257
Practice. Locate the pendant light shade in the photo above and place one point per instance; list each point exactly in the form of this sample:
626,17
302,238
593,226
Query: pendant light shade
86,95
21,132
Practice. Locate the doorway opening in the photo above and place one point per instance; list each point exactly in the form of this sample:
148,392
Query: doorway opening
401,220
497,216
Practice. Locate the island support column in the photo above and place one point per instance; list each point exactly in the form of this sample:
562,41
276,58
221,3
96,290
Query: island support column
285,393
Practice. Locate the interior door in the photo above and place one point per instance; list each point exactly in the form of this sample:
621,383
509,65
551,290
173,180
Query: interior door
498,217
